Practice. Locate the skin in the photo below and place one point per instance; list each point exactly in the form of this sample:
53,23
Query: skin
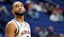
10,28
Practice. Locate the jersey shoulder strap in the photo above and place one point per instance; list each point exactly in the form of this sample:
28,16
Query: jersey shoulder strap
16,25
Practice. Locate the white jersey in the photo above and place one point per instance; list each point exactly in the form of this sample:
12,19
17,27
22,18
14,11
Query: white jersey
23,29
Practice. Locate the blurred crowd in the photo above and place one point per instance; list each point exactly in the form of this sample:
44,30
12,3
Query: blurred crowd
55,13
45,32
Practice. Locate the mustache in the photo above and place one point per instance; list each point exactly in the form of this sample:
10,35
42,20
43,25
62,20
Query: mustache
19,14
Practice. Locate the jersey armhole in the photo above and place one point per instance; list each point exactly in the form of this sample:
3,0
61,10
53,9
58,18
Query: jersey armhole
17,28
28,25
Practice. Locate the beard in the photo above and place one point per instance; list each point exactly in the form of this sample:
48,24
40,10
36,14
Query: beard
19,14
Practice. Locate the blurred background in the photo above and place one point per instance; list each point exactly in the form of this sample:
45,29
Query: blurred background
46,17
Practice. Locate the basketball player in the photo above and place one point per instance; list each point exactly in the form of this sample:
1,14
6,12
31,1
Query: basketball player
17,27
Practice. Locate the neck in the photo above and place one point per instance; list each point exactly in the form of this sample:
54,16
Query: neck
20,18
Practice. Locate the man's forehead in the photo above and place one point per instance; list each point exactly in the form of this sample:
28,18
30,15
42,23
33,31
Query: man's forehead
18,2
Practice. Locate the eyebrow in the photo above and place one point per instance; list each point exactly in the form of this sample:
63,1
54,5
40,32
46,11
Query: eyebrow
16,5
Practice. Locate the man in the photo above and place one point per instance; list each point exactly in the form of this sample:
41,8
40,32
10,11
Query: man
51,32
35,33
17,27
43,32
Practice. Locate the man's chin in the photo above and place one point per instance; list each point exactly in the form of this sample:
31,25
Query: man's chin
19,14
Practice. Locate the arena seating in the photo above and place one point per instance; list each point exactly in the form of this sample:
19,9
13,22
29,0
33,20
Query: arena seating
43,21
60,2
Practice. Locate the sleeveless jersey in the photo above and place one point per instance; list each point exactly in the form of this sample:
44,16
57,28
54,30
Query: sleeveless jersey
23,29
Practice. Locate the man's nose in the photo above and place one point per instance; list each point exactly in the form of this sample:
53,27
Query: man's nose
19,8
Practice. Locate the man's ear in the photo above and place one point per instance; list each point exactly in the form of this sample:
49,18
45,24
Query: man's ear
24,9
12,11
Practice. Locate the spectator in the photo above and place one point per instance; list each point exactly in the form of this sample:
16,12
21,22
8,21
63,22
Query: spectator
50,10
43,33
56,17
56,35
34,14
41,7
58,8
60,11
47,5
3,8
61,35
34,5
51,31
61,15
28,4
36,32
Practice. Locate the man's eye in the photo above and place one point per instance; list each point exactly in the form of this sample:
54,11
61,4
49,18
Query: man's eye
17,6
22,6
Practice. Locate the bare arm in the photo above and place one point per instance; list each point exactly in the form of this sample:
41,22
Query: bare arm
10,30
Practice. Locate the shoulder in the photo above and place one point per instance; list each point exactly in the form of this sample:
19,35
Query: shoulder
27,23
11,21
46,32
10,25
40,32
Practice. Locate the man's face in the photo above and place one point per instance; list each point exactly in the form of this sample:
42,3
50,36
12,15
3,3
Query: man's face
44,29
47,4
57,6
18,8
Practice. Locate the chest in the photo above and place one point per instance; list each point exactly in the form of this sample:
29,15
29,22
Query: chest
23,27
